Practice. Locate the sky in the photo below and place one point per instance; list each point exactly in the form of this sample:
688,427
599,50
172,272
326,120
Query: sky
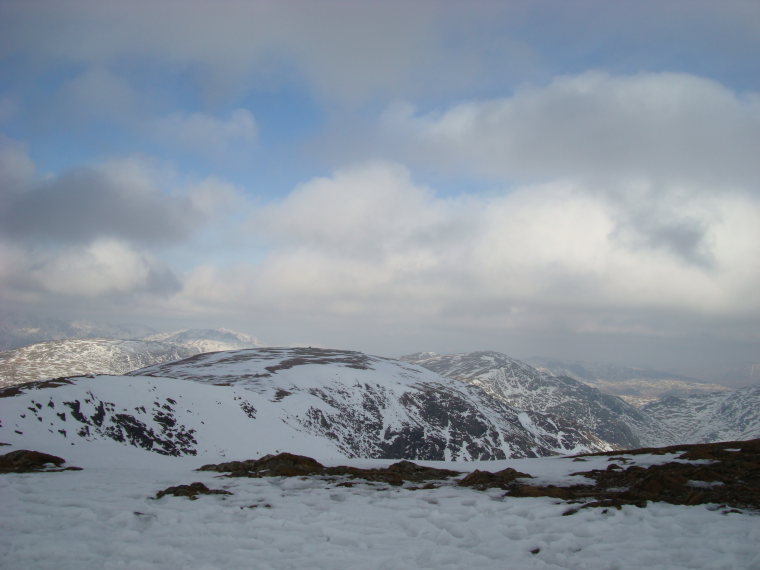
569,179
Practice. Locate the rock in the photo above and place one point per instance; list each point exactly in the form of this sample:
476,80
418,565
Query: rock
25,461
290,465
487,480
191,491
280,465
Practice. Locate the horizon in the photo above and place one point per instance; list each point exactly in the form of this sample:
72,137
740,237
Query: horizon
576,181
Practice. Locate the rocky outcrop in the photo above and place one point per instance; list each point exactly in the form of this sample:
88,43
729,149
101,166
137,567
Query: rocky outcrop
26,461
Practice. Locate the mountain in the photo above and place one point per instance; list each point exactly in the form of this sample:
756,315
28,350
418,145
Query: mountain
249,402
75,357
208,340
17,331
637,386
717,416
520,385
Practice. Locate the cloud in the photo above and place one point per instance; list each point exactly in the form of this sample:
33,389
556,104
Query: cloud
120,199
103,267
342,49
100,231
654,146
17,170
9,108
99,91
669,127
207,135
371,208
361,50
369,243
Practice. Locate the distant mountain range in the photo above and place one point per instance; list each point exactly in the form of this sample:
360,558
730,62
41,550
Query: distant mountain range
637,386
17,331
75,357
79,357
717,416
208,340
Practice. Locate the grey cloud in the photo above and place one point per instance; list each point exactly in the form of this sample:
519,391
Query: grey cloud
669,127
361,49
161,280
686,239
86,204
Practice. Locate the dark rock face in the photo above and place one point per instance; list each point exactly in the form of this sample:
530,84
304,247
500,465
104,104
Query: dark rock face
93,417
25,461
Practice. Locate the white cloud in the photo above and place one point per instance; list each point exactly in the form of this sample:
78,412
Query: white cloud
208,135
370,209
104,267
107,230
369,242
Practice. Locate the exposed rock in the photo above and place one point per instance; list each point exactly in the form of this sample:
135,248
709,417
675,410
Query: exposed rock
396,474
191,491
731,478
25,461
280,465
726,474
290,465
485,479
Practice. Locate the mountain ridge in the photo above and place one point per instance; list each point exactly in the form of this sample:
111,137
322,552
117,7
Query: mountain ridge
523,386
253,401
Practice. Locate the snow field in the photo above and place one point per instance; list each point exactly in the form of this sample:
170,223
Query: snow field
104,518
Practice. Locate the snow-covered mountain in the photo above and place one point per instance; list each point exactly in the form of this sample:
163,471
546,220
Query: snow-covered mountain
17,331
524,387
74,357
249,402
637,386
717,416
208,340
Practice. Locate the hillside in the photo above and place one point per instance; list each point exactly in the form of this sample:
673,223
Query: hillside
522,386
720,416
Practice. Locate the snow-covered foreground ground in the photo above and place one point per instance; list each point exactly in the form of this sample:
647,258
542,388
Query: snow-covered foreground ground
104,517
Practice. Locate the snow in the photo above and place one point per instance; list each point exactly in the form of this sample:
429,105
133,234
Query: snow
104,518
